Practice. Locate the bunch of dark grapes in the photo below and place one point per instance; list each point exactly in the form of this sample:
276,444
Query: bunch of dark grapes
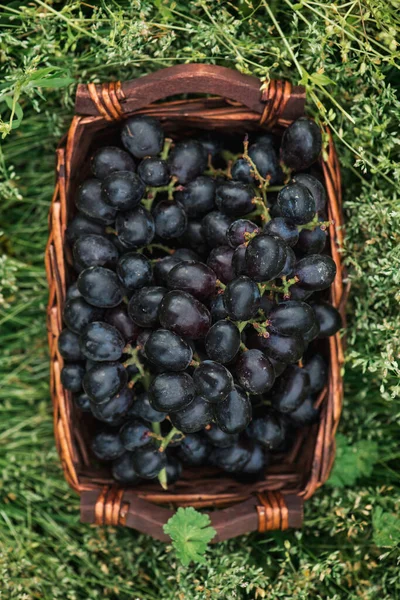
201,291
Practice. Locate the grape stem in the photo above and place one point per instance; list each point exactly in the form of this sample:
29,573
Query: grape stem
162,476
143,376
167,147
220,285
155,246
316,223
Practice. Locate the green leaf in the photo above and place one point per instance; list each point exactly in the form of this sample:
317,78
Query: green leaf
386,528
352,462
190,533
321,79
56,82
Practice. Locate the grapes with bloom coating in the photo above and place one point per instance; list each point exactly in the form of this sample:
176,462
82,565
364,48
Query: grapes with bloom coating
192,277
212,381
254,372
144,305
100,287
296,203
123,471
148,461
104,380
220,261
241,298
187,160
233,413
265,257
223,341
185,315
113,411
90,202
107,445
301,144
101,342
123,190
142,136
194,417
168,351
170,392
328,318
290,391
110,159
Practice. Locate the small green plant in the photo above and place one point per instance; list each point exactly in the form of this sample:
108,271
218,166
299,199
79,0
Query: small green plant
353,461
190,532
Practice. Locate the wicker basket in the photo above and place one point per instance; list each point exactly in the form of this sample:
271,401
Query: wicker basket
238,103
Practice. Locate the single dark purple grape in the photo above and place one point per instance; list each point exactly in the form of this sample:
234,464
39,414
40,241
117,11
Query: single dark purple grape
107,445
241,171
239,260
266,304
223,341
328,317
187,160
170,392
144,305
173,469
123,190
241,298
194,417
284,229
194,237
219,438
186,254
168,351
72,376
315,187
254,372
266,161
296,203
92,250
265,257
90,201
101,342
286,349
231,459
100,287
311,333
134,271
317,370
236,234
82,225
170,219
290,264
266,139
82,401
315,272
212,381
257,462
305,414
109,159
73,292
214,227
197,197
135,434
163,266
113,411
299,293
279,367
269,431
291,317
194,450
211,143
217,308
142,409
135,228
153,171
68,346
148,461
301,144
290,390
311,241
123,471
142,136
233,413
185,315
220,261
118,317
234,198
104,380
194,278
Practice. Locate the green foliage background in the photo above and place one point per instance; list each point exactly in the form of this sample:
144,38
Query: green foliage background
346,54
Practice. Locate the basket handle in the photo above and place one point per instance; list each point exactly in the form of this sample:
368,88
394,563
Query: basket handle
116,100
263,512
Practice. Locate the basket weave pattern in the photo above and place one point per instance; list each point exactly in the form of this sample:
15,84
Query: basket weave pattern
240,104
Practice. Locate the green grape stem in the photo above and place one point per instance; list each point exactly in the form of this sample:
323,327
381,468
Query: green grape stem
167,147
316,223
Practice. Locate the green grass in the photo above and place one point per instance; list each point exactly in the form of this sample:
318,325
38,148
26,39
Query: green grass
346,55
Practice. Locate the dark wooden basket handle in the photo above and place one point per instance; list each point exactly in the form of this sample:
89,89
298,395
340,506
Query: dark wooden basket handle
262,512
115,100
